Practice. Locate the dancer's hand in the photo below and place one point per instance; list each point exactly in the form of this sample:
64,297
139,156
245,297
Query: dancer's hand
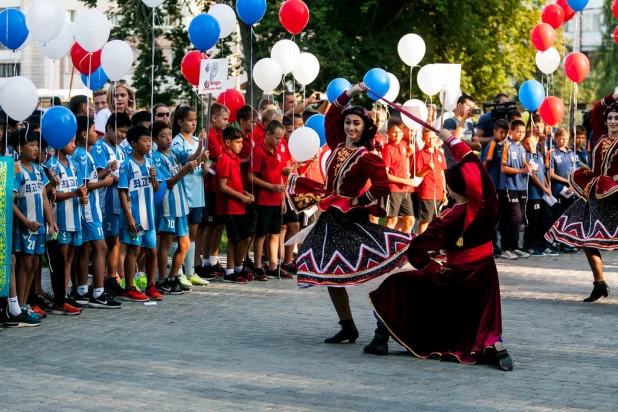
357,89
445,134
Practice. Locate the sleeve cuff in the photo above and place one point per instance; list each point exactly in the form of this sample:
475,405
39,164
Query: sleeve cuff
607,100
342,100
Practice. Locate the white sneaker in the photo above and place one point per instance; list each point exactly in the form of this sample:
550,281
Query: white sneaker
520,253
198,281
507,254
184,281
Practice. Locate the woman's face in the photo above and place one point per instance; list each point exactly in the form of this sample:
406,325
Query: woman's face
121,97
612,122
353,126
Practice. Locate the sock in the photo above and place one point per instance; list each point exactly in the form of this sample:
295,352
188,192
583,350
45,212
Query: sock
190,260
14,306
229,271
205,262
238,269
213,260
82,290
173,249
96,292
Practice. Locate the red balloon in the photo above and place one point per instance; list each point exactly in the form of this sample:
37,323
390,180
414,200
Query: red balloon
85,63
233,100
542,36
190,66
294,16
616,34
551,110
568,11
615,8
576,66
553,15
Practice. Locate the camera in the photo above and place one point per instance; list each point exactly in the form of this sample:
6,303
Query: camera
500,110
477,112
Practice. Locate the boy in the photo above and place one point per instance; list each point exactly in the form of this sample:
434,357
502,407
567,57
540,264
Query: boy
231,201
515,170
396,157
430,165
91,218
581,137
378,115
298,121
137,184
288,123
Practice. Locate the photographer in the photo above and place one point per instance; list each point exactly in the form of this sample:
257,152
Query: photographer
462,126
288,104
485,127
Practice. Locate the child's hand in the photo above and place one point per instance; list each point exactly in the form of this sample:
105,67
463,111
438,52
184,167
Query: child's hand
247,200
33,226
286,171
569,191
249,195
444,200
84,200
112,166
203,134
284,207
152,172
277,188
204,167
131,225
526,169
81,192
108,180
205,156
409,182
190,166
547,190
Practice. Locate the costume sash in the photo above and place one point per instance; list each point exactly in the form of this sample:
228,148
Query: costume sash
462,257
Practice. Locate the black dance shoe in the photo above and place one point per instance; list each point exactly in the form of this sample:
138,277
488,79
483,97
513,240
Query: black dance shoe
379,344
348,332
600,290
497,355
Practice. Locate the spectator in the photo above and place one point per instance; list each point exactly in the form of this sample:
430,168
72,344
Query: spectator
485,126
120,99
161,112
79,105
430,165
100,100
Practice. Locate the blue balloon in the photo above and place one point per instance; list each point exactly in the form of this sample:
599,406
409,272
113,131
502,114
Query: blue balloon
316,122
531,95
97,79
204,31
13,30
251,11
378,81
577,5
58,126
160,194
336,88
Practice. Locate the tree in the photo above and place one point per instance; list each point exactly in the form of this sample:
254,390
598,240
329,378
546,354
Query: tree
604,75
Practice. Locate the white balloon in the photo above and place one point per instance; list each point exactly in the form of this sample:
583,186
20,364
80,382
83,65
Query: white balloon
393,90
153,3
450,103
45,19
287,54
428,80
418,109
411,49
116,59
307,69
304,143
548,61
60,46
27,42
18,97
225,16
92,30
267,74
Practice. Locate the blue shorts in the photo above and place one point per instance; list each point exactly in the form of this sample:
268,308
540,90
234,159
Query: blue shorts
110,224
147,240
179,226
29,243
92,231
69,238
195,215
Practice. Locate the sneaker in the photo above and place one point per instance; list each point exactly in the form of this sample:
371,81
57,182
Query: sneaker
551,252
65,309
249,264
508,254
535,252
198,281
133,295
23,320
175,287
520,253
140,281
247,275
82,299
163,286
568,249
112,287
206,273
38,311
43,303
278,273
152,293
104,302
184,281
73,302
289,267
50,296
234,278
218,269
260,275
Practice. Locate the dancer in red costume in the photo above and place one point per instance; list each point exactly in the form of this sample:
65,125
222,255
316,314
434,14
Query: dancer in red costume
343,248
450,311
592,222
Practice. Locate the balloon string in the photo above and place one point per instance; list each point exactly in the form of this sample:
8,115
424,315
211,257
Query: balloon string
406,113
152,75
251,87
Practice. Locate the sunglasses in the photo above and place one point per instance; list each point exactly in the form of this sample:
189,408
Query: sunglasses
121,81
162,114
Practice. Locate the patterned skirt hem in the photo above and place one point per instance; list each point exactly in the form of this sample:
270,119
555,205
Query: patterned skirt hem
556,235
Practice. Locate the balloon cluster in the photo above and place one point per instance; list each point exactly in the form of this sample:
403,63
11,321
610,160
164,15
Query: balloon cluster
615,11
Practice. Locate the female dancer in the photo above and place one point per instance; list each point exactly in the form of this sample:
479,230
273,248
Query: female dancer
591,221
343,248
451,311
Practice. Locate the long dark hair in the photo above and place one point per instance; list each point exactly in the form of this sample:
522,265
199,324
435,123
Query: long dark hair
180,113
368,136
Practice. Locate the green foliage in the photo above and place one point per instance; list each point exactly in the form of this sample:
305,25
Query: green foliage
604,73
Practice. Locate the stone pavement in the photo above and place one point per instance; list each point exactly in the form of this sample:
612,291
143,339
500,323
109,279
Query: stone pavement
259,347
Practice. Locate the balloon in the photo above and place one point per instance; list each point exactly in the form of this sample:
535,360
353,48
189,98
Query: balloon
568,11
417,108
378,81
233,100
204,31
116,59
84,62
267,74
287,54
548,61
191,66
304,143
160,194
616,34
60,46
226,17
92,30
19,108
551,110
307,69
13,29
411,49
294,16
428,81
553,15
336,88
542,36
393,90
251,11
531,95
576,66
97,79
153,3
58,126
316,122
449,100
577,5
27,42
45,19
615,8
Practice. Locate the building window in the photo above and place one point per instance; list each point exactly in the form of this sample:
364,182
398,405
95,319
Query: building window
591,21
71,16
9,69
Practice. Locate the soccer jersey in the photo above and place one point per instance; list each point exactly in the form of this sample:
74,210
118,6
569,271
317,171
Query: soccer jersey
194,182
432,186
67,212
563,163
534,191
514,155
267,166
493,155
103,153
174,204
228,167
87,169
28,187
135,178
396,159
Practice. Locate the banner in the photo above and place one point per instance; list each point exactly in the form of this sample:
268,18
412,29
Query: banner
7,174
213,76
